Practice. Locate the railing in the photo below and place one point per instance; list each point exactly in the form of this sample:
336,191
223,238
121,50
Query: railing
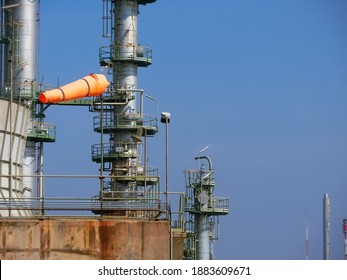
111,151
106,206
139,54
124,121
42,132
140,201
199,177
217,206
21,91
177,216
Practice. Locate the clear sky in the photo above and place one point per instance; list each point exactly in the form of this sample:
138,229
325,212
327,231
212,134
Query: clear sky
264,82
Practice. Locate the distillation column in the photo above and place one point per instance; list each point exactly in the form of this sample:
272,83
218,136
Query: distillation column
202,207
24,75
121,113
125,78
18,78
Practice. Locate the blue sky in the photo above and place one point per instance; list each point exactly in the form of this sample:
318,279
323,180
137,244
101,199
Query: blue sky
264,82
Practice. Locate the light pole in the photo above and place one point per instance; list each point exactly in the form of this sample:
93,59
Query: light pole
165,118
145,137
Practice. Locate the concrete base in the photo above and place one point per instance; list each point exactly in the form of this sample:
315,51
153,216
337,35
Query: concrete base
83,239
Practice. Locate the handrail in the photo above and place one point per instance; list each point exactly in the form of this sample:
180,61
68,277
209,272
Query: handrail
218,204
116,52
142,202
133,121
83,204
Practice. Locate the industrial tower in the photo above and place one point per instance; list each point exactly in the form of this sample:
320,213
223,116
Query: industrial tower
203,211
132,184
22,128
127,218
129,189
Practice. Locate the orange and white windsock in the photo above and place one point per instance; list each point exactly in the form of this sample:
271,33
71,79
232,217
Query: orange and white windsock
91,85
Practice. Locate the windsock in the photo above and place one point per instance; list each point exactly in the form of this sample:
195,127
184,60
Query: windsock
91,85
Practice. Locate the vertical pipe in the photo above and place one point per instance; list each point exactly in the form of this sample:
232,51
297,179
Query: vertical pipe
22,30
145,162
203,252
212,249
345,232
167,165
306,239
168,213
171,239
2,34
326,227
29,169
212,238
124,77
40,186
11,132
102,157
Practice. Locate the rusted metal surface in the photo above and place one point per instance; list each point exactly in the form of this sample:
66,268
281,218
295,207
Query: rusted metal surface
178,237
89,239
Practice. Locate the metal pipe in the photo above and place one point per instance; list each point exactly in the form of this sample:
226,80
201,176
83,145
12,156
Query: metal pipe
11,132
120,103
29,168
207,158
10,6
112,103
125,78
40,179
345,232
24,21
326,227
21,55
102,158
212,239
141,105
2,23
171,239
167,185
145,161
167,165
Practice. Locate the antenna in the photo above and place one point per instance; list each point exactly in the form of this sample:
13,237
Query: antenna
204,149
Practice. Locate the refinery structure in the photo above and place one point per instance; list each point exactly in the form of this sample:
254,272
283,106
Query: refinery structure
130,216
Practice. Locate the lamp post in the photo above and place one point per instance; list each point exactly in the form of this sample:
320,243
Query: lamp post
145,137
165,118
